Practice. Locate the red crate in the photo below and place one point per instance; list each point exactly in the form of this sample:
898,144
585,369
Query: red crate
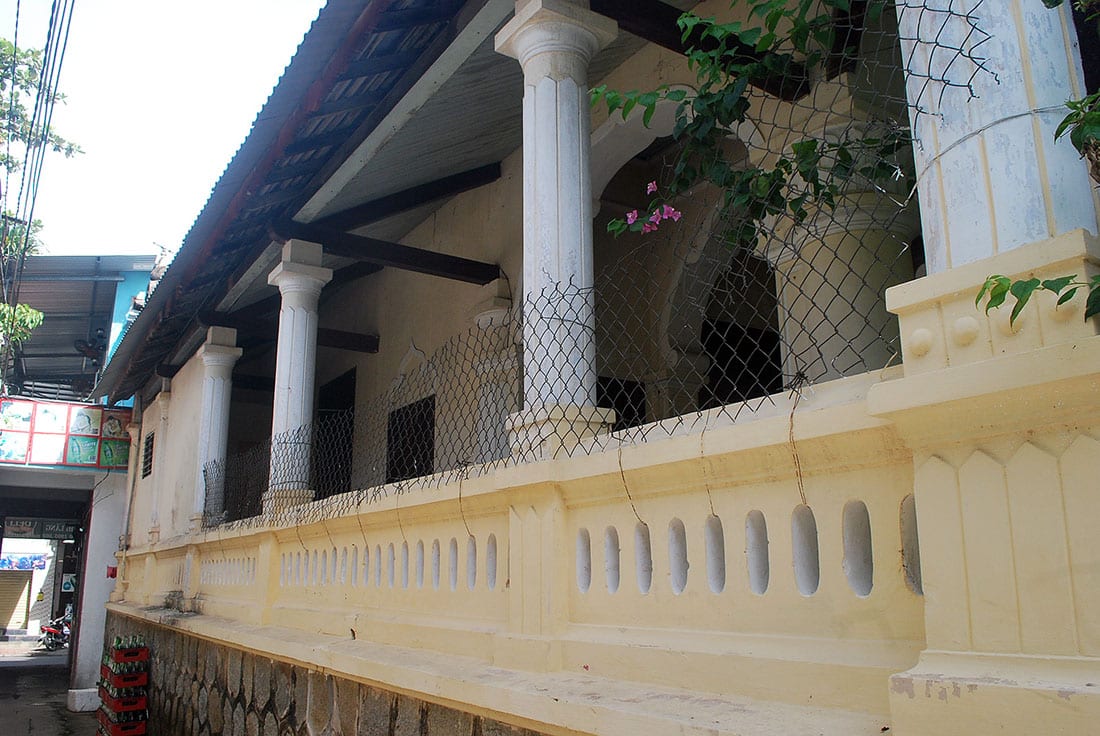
130,654
122,705
116,680
110,728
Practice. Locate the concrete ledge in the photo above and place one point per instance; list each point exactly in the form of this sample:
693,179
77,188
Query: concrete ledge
552,703
82,700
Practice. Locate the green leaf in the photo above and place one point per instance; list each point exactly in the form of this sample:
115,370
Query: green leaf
1067,296
1056,285
1092,304
1022,290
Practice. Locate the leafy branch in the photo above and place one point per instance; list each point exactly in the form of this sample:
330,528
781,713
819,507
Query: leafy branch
812,173
998,288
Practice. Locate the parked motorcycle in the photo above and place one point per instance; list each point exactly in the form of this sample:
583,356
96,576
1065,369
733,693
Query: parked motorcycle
54,635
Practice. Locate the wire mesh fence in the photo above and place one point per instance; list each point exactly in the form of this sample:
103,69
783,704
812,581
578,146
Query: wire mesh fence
704,317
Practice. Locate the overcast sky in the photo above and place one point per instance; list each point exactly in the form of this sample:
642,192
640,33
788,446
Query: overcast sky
160,96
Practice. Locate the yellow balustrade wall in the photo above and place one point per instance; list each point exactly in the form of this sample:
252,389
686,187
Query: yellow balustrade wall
691,562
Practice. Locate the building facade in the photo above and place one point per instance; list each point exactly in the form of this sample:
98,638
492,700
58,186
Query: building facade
424,450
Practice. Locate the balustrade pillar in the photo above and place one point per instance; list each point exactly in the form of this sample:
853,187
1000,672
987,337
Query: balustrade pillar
554,40
219,354
990,175
300,278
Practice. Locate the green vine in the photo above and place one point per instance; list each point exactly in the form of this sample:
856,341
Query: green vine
727,59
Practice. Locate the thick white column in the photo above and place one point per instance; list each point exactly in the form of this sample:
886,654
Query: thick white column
554,41
300,278
219,355
990,176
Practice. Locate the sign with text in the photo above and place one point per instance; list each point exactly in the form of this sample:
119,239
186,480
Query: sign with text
20,528
56,433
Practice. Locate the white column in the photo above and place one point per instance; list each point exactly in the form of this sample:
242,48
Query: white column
990,176
219,355
300,279
554,40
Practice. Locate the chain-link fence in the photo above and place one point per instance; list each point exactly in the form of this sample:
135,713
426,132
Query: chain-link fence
684,327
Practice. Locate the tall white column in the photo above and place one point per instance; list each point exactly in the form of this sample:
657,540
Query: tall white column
300,278
554,41
219,355
990,176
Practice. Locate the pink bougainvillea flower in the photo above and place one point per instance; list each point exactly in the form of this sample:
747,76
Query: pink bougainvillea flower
631,217
649,227
668,212
655,217
651,187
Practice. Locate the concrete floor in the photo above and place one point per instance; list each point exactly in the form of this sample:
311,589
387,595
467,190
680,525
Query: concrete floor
33,686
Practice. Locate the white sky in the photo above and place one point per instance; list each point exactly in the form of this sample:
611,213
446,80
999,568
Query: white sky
161,93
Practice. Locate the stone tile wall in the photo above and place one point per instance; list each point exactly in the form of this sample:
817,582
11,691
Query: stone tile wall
201,688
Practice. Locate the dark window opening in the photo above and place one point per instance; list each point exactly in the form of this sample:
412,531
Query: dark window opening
745,363
147,456
333,443
627,398
410,441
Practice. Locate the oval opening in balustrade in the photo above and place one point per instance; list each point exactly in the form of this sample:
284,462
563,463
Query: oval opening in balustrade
324,565
471,563
715,539
297,568
756,551
611,555
491,562
391,563
677,556
316,572
584,560
366,565
354,565
643,557
910,545
378,566
405,565
332,574
282,570
419,564
452,569
343,566
807,562
859,564
435,564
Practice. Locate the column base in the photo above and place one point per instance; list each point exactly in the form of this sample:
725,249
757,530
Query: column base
154,534
276,501
547,431
82,700
195,523
966,694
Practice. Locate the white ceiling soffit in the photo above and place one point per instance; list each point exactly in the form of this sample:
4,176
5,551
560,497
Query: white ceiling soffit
484,23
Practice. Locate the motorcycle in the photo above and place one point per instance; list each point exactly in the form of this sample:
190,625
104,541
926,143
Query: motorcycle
54,635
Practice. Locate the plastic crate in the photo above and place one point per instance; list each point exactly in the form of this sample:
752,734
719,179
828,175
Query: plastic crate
118,680
129,654
110,728
122,705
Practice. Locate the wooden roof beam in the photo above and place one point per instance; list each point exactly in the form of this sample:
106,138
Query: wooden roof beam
384,253
411,198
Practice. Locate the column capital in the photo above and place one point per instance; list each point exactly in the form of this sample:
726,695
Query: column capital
555,38
220,356
300,269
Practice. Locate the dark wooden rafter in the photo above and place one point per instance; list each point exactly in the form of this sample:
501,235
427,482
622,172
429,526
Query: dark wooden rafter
384,253
400,20
265,312
322,140
408,199
378,64
655,21
349,103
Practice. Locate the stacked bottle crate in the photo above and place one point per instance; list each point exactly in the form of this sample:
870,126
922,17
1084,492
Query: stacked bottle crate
124,677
